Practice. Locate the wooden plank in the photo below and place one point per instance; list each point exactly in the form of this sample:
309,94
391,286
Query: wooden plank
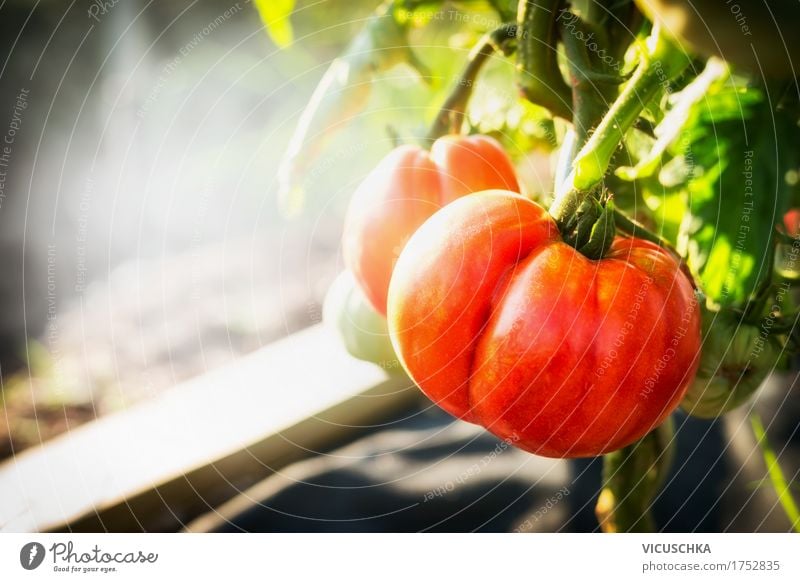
163,462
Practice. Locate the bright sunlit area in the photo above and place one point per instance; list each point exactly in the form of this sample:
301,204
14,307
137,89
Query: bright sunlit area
398,266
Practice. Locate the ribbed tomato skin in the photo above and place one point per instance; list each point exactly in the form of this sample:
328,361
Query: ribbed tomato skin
504,325
403,191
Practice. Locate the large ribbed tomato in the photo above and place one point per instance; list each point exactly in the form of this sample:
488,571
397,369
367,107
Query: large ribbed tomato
504,325
404,190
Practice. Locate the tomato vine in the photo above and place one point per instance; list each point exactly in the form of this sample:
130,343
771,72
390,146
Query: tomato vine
658,145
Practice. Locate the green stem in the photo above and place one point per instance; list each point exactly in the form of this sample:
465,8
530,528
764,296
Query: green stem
602,234
590,95
661,62
634,228
451,115
631,478
594,11
785,324
776,477
622,19
540,78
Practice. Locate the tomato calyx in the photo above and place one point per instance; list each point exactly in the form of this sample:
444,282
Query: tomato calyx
591,229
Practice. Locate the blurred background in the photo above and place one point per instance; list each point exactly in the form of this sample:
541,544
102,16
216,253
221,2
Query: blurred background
145,234
140,222
139,226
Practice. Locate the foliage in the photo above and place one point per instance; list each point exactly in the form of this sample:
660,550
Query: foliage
382,71
688,152
275,16
740,150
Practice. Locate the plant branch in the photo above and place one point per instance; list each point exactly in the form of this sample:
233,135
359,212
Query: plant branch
540,78
660,62
451,115
631,478
593,88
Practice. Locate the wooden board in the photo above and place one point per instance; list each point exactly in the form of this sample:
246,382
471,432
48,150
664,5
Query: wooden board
158,465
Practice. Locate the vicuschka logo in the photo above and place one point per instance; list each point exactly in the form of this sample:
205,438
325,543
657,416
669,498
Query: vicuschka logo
31,555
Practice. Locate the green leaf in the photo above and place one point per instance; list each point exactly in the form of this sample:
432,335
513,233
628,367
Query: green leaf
667,211
738,149
415,12
506,9
275,16
518,124
342,93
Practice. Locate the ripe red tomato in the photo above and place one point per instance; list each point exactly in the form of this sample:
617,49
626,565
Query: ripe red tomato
504,325
404,190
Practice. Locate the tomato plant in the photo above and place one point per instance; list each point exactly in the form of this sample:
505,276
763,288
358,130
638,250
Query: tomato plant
658,270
